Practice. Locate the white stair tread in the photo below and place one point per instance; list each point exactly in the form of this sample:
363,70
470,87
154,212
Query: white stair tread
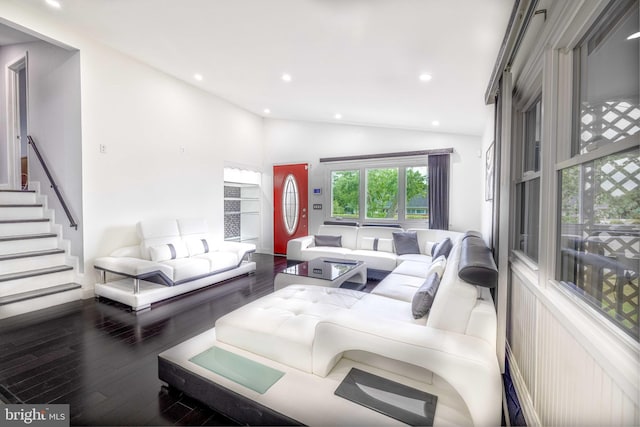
9,299
32,273
31,254
27,236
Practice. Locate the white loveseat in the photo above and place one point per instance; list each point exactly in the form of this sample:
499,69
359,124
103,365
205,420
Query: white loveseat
172,258
371,244
321,332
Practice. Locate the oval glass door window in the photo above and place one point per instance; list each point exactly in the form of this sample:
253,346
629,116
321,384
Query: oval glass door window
290,204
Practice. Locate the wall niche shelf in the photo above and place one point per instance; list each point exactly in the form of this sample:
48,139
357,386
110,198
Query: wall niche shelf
242,212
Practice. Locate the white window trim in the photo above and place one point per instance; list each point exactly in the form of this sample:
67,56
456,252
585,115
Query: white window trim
362,166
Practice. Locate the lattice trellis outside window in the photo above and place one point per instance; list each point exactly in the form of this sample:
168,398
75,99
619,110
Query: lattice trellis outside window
607,122
600,242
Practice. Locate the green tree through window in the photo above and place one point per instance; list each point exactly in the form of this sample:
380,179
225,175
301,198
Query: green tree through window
382,193
345,193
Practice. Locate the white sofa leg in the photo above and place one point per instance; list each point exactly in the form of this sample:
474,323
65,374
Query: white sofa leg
136,286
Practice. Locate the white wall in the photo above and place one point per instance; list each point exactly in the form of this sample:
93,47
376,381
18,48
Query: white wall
307,142
54,122
486,211
143,117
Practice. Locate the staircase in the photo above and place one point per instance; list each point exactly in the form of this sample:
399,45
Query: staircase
36,270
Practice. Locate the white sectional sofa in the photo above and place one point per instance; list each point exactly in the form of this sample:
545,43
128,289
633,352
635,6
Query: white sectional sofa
172,258
372,244
315,334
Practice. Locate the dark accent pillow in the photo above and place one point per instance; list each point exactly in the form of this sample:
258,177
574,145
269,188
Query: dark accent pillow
406,242
423,298
476,265
442,248
327,240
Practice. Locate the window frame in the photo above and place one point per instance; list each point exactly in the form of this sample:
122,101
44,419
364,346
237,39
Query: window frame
530,96
362,166
567,153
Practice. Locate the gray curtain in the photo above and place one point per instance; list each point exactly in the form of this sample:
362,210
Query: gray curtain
439,191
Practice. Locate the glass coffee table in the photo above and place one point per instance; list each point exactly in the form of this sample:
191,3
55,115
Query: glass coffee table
328,272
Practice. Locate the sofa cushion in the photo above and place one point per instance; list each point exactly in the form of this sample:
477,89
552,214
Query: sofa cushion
424,259
455,299
220,260
377,244
281,326
424,296
406,242
187,268
442,248
200,246
399,286
155,233
328,240
168,251
193,227
421,269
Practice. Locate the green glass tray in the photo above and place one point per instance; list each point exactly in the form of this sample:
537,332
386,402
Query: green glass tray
239,369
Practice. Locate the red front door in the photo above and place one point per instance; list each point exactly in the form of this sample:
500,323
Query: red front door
290,204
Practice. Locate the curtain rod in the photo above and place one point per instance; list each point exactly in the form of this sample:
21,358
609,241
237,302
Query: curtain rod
388,155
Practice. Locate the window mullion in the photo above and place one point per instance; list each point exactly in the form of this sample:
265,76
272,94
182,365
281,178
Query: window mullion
402,193
548,177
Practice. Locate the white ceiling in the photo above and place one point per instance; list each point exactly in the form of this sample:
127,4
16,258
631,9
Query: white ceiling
359,58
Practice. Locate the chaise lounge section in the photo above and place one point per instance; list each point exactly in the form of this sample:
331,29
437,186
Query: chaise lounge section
315,334
172,258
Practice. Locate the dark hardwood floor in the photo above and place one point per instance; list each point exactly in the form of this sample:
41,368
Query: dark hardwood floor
101,359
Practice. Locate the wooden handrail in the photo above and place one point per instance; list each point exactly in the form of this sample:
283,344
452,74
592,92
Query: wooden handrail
52,182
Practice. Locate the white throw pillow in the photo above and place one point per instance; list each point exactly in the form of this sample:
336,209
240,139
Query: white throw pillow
385,245
169,251
437,266
428,247
376,244
199,246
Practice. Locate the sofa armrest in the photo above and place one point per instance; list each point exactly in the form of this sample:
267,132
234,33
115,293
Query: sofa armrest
467,363
133,267
241,249
296,246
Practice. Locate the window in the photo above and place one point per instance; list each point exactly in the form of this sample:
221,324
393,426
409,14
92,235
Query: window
416,191
606,64
382,193
599,213
345,193
395,193
528,189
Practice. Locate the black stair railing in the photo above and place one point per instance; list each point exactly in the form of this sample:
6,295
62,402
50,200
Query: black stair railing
52,182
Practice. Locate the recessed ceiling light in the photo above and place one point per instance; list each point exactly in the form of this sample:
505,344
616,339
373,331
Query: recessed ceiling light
286,77
634,36
267,111
435,123
424,77
198,77
54,3
338,116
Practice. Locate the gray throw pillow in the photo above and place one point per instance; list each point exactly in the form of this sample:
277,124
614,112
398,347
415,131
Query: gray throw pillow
327,240
406,242
423,298
442,248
